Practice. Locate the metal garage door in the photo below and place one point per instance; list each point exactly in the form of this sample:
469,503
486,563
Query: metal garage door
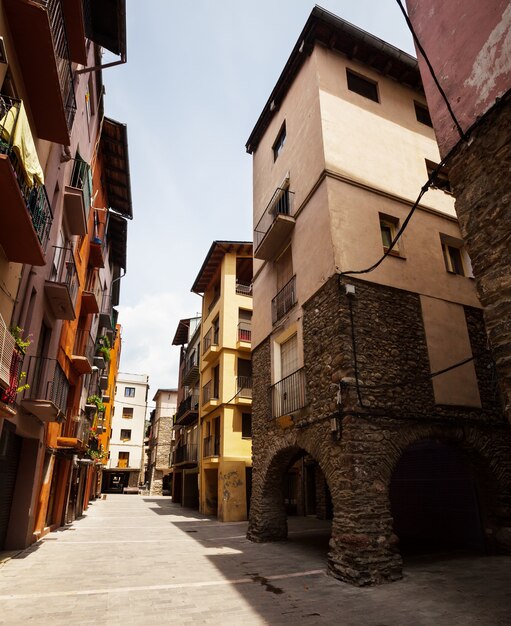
10,449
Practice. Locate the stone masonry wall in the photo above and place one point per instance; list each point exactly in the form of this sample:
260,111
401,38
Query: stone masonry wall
480,176
358,459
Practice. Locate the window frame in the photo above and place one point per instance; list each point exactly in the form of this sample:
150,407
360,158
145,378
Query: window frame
419,109
130,389
127,408
244,428
280,141
125,430
356,76
392,223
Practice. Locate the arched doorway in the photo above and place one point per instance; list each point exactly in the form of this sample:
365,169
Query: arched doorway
434,500
294,503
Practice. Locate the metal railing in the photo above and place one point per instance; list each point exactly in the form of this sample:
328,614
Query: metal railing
188,404
284,301
245,331
186,453
84,344
98,232
35,197
281,203
93,285
46,381
211,446
210,338
243,290
244,384
63,270
209,392
64,70
288,395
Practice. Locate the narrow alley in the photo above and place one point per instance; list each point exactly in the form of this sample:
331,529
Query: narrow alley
147,560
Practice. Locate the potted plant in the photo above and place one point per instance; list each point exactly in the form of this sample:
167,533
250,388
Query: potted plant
96,403
104,348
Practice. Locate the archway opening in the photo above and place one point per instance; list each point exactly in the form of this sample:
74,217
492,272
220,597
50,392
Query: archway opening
434,501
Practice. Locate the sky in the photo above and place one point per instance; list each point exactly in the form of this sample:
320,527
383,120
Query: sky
198,75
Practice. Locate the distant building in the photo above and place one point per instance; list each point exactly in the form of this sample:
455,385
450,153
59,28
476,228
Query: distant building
468,45
160,442
126,461
225,404
185,455
374,398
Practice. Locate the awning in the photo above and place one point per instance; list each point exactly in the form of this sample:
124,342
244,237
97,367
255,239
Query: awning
105,24
117,235
116,167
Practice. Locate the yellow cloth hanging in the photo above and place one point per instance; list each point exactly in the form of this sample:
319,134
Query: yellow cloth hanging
16,130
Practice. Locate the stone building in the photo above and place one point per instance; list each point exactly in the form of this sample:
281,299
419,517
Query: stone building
473,69
375,398
161,441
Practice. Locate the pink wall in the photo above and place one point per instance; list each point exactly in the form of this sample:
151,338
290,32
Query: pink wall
468,43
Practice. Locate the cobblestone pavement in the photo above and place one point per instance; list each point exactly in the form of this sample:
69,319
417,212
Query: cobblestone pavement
145,560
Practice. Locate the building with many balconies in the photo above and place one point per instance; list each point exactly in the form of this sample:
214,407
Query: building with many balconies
225,403
375,397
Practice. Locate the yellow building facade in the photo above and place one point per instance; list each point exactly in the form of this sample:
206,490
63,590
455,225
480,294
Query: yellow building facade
225,407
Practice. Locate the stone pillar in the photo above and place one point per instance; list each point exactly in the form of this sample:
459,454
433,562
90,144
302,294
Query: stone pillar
480,175
268,518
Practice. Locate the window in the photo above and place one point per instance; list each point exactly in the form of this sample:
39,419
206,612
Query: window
127,412
129,392
456,258
124,459
289,356
216,381
363,86
246,425
442,178
125,434
279,142
389,226
422,114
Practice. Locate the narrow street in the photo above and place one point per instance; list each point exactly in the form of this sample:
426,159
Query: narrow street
147,560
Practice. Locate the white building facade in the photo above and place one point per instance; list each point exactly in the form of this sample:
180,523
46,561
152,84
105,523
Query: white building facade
126,461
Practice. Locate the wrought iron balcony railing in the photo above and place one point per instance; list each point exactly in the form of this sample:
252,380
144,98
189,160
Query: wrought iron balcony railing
211,446
244,384
186,453
245,332
210,339
63,271
209,392
284,301
36,198
288,395
60,45
281,203
46,383
84,344
188,405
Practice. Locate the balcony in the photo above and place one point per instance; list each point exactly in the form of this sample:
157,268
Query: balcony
191,371
92,295
11,361
284,301
288,395
243,290
39,36
275,226
209,394
244,336
97,244
211,446
26,212
210,344
105,313
46,396
61,287
186,453
82,357
77,198
188,409
244,390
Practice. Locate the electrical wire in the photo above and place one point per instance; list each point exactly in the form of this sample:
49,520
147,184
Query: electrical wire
430,67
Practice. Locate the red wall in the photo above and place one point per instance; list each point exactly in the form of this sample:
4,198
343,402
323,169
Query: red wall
468,43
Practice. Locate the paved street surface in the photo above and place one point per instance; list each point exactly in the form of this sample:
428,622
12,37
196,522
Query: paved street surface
144,560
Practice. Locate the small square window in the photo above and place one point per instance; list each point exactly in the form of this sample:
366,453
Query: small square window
422,114
125,434
363,86
129,392
442,178
127,412
279,142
